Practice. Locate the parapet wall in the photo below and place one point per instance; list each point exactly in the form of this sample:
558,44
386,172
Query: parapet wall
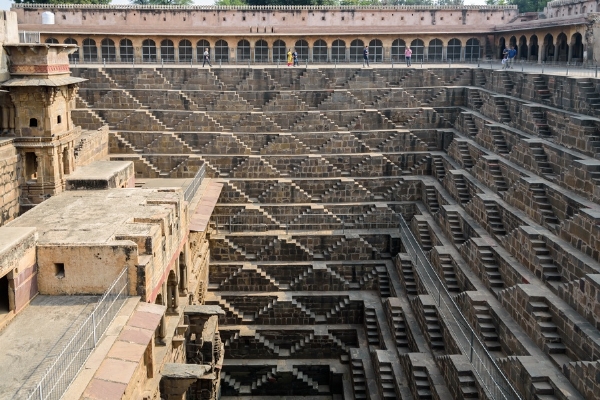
282,19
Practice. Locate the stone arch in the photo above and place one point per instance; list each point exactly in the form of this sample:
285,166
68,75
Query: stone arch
562,48
108,49
548,48
418,49
522,52
301,47
126,51
398,47
338,50
202,45
167,50
320,51
279,50
148,50
513,42
243,50
75,55
473,49
501,47
435,50
454,49
534,47
576,48
185,50
376,50
261,51
356,49
90,50
52,40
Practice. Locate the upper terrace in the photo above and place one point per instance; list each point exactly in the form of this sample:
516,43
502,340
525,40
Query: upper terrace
279,19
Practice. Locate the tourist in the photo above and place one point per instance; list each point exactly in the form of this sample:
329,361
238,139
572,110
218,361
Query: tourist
512,53
505,58
366,56
295,57
408,56
289,57
206,58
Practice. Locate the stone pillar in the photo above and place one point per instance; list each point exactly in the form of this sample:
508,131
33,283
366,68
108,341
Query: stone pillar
556,51
161,330
541,51
444,53
183,271
177,379
329,53
11,119
117,52
195,53
172,294
5,119
570,53
463,52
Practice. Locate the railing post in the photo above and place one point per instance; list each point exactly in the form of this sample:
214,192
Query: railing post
472,338
94,326
41,393
104,62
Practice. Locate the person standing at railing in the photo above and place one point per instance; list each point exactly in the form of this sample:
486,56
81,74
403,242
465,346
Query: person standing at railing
206,58
512,53
366,56
290,57
408,56
295,57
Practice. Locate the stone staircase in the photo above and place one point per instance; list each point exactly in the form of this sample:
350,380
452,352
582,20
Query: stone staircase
498,140
359,382
487,329
540,122
496,174
469,124
431,199
541,160
456,231
549,336
541,89
543,206
494,218
491,270
372,328
423,235
465,155
448,273
502,110
542,257
464,195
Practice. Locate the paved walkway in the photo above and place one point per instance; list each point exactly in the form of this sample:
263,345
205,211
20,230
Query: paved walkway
35,336
561,69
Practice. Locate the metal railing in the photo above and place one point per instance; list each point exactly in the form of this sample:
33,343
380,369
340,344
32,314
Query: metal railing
57,379
308,222
491,377
191,190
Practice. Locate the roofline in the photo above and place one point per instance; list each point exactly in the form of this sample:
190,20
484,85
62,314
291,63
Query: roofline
251,8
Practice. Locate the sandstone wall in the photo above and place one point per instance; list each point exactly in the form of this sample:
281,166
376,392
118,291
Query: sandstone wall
10,174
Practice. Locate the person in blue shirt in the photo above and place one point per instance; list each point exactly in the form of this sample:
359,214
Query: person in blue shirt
366,56
512,53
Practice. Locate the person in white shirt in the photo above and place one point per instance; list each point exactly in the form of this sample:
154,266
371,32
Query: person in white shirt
206,58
